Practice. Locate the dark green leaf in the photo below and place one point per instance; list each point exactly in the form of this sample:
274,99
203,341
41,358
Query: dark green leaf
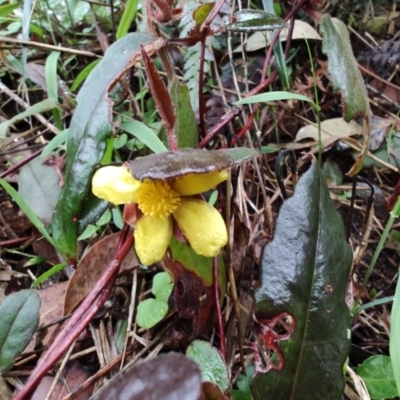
167,377
212,367
377,373
250,20
19,316
305,274
90,128
172,164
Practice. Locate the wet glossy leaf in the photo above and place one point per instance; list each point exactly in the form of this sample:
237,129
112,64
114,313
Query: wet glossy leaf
346,78
213,369
304,275
377,373
172,164
250,20
168,377
19,316
90,128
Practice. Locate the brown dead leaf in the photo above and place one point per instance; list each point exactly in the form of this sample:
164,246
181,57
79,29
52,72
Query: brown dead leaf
74,375
50,310
90,268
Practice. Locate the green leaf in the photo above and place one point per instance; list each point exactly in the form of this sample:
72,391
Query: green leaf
146,135
200,265
90,128
52,84
305,273
37,108
54,143
273,96
39,186
150,312
127,17
6,9
212,367
50,272
162,286
84,74
250,20
377,373
394,342
346,78
243,383
27,210
186,126
19,316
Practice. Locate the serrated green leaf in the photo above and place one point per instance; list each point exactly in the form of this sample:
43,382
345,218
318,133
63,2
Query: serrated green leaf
305,272
150,312
377,373
212,367
19,316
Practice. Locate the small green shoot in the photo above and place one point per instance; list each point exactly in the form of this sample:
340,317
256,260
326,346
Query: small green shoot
151,311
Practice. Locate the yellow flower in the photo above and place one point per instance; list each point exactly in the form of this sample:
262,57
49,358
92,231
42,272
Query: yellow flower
159,200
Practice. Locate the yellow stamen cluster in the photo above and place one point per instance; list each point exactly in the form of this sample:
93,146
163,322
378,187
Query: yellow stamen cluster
157,199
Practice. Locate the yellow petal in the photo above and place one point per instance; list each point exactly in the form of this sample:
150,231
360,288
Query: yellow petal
114,184
188,185
152,237
202,225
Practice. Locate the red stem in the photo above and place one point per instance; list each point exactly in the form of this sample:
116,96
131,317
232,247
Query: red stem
219,313
78,322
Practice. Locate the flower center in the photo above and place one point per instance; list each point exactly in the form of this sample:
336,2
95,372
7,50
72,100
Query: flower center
156,198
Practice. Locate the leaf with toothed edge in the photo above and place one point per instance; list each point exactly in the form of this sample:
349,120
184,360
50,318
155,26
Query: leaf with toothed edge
172,164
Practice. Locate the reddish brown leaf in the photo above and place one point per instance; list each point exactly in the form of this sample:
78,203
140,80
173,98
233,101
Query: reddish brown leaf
163,100
91,267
